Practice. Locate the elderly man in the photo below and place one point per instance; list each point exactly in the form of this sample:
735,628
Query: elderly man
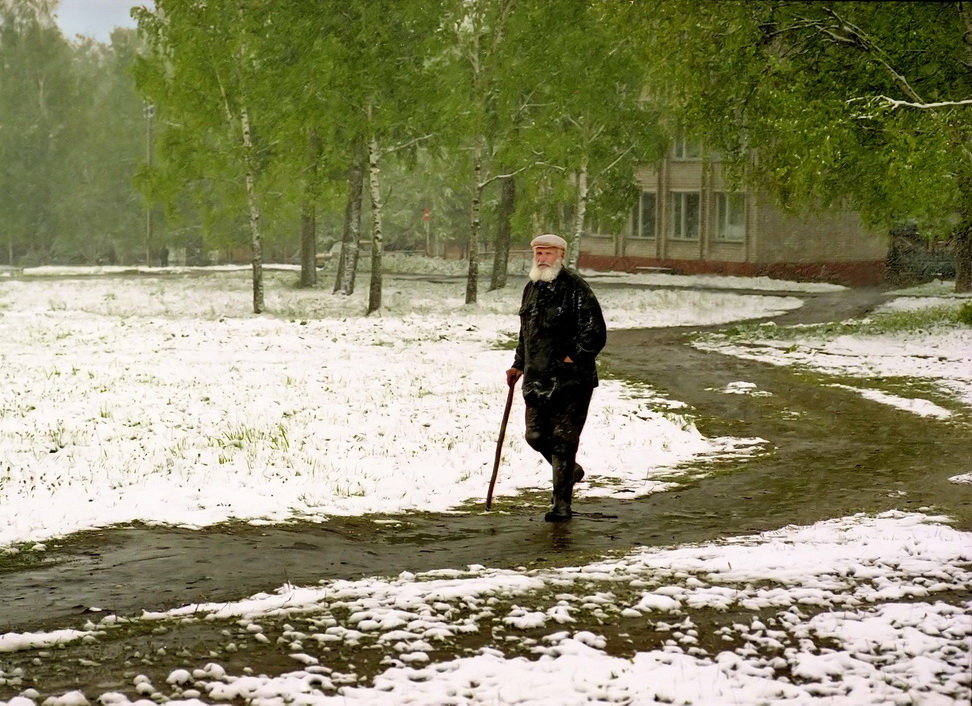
561,332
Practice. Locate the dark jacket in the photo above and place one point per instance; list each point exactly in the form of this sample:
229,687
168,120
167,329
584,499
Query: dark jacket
558,319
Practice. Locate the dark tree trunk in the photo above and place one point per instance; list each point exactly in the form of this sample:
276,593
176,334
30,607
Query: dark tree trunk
308,243
504,233
963,232
351,239
962,240
308,215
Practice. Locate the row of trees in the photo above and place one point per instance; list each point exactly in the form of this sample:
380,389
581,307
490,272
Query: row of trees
71,139
528,111
283,120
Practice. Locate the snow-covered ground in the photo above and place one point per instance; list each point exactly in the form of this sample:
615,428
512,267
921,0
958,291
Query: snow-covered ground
940,355
160,398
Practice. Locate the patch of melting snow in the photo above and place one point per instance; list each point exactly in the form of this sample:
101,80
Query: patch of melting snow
921,407
740,387
844,612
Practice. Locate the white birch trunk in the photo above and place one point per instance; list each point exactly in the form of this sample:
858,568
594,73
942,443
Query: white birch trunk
472,276
256,241
374,186
580,214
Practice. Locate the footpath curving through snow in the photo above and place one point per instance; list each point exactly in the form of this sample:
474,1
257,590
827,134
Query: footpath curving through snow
161,400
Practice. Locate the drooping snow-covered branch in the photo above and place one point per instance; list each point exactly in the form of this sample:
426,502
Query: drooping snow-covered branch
893,103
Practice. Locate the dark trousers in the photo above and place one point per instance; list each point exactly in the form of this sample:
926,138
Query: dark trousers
553,429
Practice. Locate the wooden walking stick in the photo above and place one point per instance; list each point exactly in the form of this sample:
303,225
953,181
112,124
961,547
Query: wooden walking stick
499,445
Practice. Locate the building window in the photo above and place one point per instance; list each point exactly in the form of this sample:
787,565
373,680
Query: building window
685,215
730,216
644,216
686,150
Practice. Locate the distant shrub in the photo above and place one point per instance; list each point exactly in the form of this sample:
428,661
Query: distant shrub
964,314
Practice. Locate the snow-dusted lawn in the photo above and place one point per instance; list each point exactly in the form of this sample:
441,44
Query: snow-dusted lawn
162,399
941,355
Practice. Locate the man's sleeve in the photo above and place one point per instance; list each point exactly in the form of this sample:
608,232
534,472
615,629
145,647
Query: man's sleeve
518,356
591,329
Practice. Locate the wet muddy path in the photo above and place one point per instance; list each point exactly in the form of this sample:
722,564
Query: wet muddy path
831,453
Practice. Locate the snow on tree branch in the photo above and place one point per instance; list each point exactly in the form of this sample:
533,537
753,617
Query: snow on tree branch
891,102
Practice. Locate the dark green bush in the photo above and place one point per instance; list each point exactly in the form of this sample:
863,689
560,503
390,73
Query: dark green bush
964,314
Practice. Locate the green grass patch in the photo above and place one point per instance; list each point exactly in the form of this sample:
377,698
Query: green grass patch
937,317
964,315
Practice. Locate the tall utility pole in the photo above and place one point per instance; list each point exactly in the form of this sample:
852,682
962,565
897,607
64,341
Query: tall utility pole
149,114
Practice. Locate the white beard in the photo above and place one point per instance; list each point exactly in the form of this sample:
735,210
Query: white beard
546,274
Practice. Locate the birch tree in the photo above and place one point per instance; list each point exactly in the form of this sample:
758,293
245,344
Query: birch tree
204,78
477,31
311,70
590,119
351,233
382,67
550,101
493,87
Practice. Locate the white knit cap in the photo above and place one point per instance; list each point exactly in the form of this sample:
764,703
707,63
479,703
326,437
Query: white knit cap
549,240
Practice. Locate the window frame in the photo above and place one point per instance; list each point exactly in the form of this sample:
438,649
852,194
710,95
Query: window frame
722,211
638,231
677,211
685,150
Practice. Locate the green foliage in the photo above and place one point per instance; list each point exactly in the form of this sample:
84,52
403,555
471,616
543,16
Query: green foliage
546,89
799,96
964,315
542,91
587,113
193,77
69,122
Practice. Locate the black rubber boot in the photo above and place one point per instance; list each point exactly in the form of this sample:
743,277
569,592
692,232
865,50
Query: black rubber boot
578,473
563,490
578,469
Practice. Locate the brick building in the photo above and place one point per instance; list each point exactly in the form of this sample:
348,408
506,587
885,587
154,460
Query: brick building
689,221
